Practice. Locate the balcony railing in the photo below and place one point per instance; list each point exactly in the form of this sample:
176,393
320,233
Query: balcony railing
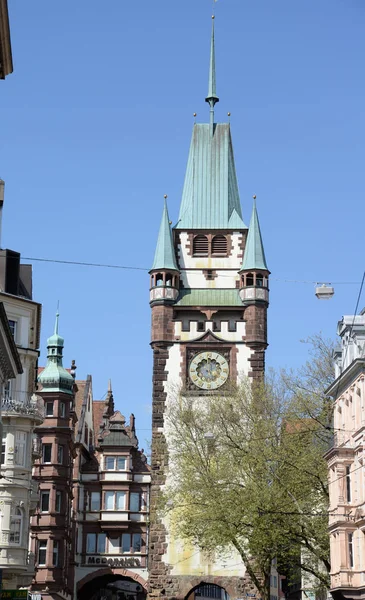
24,404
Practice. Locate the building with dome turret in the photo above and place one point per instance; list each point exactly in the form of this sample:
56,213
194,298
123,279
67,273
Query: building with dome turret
21,412
89,531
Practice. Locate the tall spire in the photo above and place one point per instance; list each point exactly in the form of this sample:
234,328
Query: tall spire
254,257
212,97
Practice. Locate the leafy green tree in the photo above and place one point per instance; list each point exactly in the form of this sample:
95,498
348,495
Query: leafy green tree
246,470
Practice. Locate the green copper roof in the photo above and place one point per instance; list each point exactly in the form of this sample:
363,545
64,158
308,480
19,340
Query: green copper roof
209,297
254,257
165,253
210,198
54,378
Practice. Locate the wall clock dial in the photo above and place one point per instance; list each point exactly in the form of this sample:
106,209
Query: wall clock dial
208,370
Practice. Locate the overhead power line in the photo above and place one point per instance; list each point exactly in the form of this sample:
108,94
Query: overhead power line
132,268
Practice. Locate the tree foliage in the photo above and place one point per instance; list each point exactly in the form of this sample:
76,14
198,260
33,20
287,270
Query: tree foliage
246,470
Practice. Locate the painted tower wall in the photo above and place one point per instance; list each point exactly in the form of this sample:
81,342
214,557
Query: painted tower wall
179,332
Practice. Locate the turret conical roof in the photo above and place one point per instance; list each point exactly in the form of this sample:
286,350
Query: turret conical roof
254,256
165,253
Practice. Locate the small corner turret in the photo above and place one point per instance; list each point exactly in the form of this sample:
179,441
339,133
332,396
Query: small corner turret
164,284
55,378
254,274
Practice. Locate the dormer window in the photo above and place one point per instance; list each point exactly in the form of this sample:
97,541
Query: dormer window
200,245
219,245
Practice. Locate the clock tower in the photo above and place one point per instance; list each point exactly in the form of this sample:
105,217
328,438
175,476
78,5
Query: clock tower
209,296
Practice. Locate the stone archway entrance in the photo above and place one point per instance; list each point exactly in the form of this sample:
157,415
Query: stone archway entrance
112,587
207,591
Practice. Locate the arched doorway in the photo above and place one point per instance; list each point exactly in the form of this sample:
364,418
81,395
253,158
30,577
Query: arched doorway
112,587
207,591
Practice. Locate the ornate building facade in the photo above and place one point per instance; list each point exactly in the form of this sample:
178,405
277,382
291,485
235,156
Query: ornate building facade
21,412
89,532
346,470
209,296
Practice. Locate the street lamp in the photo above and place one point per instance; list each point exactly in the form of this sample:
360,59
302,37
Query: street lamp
324,291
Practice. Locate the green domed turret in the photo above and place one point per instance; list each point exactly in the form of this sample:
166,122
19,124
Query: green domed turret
55,378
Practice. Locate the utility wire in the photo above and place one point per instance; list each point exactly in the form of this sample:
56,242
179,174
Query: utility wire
131,268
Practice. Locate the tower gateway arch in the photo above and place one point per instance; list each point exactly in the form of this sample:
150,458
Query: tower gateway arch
209,297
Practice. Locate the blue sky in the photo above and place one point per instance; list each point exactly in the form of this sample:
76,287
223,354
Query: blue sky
95,128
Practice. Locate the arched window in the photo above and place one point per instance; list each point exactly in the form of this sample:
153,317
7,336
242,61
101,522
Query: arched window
219,245
169,280
259,280
249,279
16,527
200,245
159,279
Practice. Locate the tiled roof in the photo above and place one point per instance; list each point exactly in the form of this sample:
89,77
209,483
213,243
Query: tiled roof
209,297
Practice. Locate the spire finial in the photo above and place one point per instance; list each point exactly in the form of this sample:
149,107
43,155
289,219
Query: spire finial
56,322
212,97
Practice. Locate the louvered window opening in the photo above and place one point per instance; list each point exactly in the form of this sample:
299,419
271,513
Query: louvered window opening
200,245
219,245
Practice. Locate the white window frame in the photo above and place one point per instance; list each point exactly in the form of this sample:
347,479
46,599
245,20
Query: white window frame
16,527
49,414
48,462
115,495
45,493
42,546
115,460
21,439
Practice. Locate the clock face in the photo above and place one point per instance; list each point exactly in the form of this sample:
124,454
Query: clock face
208,370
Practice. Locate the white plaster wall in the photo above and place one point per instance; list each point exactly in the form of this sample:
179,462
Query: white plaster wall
196,279
184,559
243,365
